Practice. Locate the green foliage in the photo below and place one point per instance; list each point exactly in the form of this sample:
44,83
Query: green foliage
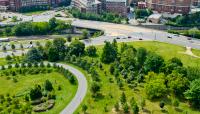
141,56
135,109
123,98
48,85
175,102
104,16
84,108
34,8
33,55
109,53
36,92
85,34
177,83
91,51
142,13
193,94
95,88
155,85
153,62
77,48
190,20
125,108
162,104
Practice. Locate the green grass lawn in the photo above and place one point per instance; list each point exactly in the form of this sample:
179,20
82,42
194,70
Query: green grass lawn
111,92
33,13
24,83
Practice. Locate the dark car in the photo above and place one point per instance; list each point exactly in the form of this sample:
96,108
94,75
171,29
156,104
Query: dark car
189,38
118,38
129,37
140,39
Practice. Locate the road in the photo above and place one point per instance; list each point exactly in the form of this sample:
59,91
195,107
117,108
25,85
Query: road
116,30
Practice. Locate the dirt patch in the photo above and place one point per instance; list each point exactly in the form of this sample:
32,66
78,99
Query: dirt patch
189,52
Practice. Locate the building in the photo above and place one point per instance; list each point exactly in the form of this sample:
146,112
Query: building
117,7
15,5
196,3
154,18
89,6
4,5
170,6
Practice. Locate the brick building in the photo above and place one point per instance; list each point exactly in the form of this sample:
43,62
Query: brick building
4,5
170,6
117,6
90,6
15,5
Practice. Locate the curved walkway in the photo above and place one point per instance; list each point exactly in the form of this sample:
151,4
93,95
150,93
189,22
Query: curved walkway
81,92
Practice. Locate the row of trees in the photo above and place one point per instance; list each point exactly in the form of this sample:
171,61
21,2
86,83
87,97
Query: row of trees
104,16
36,28
191,20
57,50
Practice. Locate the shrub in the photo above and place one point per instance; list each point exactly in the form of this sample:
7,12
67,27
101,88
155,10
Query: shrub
48,85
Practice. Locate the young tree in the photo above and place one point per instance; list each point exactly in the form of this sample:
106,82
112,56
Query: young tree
125,108
177,83
193,93
155,86
48,85
13,47
85,34
135,108
162,104
52,23
69,38
91,50
123,98
95,88
109,53
52,54
141,56
36,92
33,55
84,108
60,48
153,62
21,46
116,106
8,58
4,48
77,48
175,102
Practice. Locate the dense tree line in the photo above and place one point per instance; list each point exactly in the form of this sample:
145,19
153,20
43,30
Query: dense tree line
34,8
142,13
194,32
104,16
191,20
37,28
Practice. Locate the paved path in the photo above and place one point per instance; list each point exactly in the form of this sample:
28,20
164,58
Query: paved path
81,92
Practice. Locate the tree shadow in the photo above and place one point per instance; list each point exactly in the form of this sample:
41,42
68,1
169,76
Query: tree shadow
146,111
164,111
178,109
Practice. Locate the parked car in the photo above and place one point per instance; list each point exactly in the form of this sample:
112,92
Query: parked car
169,36
129,37
140,39
189,38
